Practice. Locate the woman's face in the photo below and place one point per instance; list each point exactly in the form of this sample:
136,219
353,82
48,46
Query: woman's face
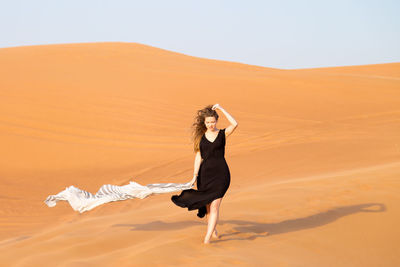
210,123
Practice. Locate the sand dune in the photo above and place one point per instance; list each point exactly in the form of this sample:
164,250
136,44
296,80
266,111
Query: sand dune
315,161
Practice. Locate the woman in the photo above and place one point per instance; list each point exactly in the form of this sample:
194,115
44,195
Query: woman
210,168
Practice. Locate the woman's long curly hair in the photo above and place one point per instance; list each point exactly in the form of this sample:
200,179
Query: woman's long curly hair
198,127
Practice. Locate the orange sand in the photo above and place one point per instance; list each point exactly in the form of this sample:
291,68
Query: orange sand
315,161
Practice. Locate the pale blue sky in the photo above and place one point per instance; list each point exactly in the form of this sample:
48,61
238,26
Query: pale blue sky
279,34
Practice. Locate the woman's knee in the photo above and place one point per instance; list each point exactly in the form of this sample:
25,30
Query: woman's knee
216,201
215,205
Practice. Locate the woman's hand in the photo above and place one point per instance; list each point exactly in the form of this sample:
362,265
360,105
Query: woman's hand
216,106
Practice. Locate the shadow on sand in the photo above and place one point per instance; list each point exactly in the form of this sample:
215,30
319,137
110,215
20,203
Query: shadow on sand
253,230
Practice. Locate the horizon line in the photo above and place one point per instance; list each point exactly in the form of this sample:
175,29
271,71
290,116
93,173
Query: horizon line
220,60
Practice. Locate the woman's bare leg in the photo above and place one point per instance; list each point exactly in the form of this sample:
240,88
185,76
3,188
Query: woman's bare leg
212,220
215,233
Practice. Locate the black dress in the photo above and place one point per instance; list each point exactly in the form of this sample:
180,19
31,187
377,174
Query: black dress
213,178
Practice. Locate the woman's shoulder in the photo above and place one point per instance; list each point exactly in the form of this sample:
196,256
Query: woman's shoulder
223,132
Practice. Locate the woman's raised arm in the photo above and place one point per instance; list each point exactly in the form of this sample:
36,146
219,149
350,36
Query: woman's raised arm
234,123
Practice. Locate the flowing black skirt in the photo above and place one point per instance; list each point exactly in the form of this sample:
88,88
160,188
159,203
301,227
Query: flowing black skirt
212,183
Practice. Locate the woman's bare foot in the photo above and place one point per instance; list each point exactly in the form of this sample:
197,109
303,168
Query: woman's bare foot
206,241
215,234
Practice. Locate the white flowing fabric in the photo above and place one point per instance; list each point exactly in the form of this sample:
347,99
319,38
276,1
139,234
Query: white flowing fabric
82,201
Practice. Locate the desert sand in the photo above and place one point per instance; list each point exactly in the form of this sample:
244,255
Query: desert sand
315,160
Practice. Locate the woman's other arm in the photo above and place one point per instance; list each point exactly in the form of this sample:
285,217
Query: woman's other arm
228,130
197,162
